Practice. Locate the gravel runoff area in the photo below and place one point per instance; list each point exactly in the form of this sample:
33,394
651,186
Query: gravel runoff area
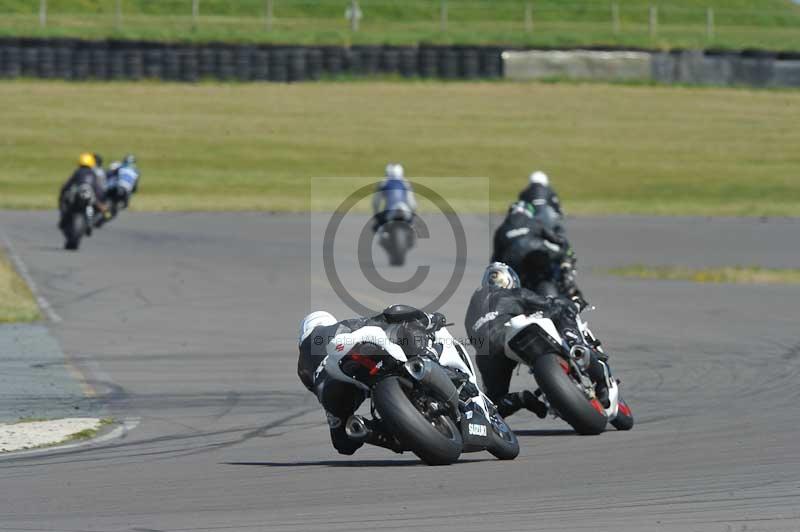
33,434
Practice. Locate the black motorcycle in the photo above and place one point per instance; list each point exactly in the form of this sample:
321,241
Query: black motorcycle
77,214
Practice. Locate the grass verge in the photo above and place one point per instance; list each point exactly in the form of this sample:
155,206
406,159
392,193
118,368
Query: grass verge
608,149
681,23
87,434
733,275
16,301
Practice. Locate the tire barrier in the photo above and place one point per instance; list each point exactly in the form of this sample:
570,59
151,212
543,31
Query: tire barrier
297,65
11,62
470,64
46,63
448,64
314,64
427,63
73,59
189,65
333,61
408,64
278,68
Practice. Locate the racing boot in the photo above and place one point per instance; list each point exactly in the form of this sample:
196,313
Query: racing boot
340,439
513,402
368,431
600,374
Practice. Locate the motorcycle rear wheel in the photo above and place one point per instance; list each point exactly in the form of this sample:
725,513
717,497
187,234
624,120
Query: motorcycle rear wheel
435,442
566,398
75,228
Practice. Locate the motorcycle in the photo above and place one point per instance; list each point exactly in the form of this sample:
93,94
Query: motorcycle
77,215
560,361
429,404
397,234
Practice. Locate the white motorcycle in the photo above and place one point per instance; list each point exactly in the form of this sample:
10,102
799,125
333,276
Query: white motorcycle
429,403
559,361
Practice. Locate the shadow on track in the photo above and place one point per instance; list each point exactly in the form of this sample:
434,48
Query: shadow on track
351,463
546,432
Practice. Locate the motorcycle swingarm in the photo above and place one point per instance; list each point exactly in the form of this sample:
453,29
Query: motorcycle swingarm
533,341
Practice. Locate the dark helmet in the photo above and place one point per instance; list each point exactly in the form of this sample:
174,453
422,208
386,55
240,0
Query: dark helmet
98,159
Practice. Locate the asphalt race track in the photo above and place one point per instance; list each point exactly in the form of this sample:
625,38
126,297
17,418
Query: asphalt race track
188,322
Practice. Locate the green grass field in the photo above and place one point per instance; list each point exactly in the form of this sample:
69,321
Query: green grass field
608,149
16,302
681,23
731,275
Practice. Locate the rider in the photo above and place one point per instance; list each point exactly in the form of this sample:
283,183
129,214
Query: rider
86,173
123,179
540,193
499,299
393,195
340,399
528,245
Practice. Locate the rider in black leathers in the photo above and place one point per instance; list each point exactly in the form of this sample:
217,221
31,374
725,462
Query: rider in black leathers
532,248
540,193
340,399
499,299
86,173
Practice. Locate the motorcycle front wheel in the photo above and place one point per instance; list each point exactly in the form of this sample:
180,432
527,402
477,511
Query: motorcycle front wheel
585,415
436,441
505,445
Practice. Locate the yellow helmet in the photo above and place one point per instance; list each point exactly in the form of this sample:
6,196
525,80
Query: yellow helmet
87,159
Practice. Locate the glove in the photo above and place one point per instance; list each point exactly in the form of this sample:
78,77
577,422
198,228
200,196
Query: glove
564,308
437,321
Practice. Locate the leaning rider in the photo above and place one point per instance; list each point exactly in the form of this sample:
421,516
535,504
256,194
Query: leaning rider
340,399
499,299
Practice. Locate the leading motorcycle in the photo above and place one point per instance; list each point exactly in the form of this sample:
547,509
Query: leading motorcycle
397,234
77,215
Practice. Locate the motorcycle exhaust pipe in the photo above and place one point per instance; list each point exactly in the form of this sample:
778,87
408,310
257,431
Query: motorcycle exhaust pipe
356,428
582,356
433,376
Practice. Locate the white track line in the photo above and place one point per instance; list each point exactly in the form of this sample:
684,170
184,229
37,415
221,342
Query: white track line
23,271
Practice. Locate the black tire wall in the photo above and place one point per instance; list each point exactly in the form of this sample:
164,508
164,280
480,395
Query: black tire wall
73,59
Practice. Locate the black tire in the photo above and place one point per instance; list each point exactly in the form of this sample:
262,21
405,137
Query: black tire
505,445
562,393
74,232
624,419
439,444
397,246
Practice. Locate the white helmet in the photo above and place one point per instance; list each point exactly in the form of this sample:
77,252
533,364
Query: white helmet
394,171
539,178
500,275
313,320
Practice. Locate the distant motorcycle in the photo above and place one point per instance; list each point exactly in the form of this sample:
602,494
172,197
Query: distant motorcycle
428,404
397,234
77,215
559,360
